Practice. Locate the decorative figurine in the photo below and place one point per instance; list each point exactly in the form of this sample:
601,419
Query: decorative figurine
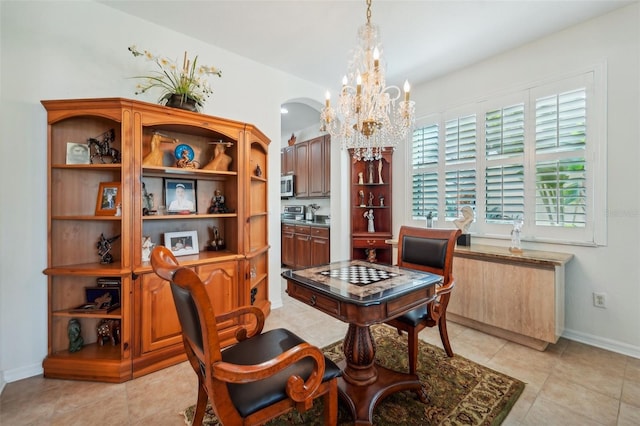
430,220
516,246
380,171
381,198
75,338
371,255
108,329
104,247
155,156
463,223
118,210
292,140
369,216
258,171
370,199
221,161
148,202
370,170
361,194
185,160
147,246
217,203
103,147
217,242
360,179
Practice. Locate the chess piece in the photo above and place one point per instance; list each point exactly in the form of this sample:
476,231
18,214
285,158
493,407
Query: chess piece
369,216
221,161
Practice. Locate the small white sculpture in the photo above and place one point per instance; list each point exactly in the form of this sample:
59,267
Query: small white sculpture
380,171
360,179
147,245
516,246
369,216
463,223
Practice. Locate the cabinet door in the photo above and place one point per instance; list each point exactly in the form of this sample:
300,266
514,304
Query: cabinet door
288,161
159,324
301,170
319,251
221,281
303,250
288,249
316,167
326,144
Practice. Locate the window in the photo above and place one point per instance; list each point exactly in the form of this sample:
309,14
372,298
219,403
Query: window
531,155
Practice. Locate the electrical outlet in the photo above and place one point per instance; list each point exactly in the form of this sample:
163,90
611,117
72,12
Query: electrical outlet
599,300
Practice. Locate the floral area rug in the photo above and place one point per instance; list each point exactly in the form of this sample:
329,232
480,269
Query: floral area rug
460,391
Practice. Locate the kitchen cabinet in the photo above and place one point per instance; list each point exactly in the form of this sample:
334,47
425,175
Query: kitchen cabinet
310,162
304,245
320,248
287,161
301,170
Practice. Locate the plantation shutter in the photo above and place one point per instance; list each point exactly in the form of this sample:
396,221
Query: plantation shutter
460,191
460,139
504,171
425,182
561,181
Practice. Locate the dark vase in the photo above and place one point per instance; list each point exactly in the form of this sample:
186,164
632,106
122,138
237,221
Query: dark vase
182,102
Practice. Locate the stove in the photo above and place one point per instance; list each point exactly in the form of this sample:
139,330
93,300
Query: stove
293,213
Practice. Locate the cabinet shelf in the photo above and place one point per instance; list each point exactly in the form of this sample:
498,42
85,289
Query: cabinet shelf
189,216
258,179
91,351
84,217
115,314
371,184
88,269
110,166
161,171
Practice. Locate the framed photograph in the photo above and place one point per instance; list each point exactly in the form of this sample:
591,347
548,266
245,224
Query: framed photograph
182,243
77,153
180,196
109,198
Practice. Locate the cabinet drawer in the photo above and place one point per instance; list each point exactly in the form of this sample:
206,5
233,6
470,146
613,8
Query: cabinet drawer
314,299
303,229
370,243
320,232
288,228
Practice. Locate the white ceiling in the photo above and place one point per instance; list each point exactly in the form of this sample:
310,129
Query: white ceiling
311,39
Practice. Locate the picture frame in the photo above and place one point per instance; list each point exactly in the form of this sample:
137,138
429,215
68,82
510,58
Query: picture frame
109,198
180,196
77,153
182,243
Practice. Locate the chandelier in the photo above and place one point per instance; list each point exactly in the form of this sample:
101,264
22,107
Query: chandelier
369,117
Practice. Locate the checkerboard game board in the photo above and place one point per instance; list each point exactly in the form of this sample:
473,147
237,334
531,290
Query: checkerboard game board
359,275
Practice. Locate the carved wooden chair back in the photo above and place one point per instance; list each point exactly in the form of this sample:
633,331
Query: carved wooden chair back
259,378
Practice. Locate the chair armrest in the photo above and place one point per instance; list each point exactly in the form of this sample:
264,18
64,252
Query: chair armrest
245,332
297,389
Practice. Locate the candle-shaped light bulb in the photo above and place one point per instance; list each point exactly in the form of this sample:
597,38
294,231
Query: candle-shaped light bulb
358,84
327,101
345,80
376,57
407,88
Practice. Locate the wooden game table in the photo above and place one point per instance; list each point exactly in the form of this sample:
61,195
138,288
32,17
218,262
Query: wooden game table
362,294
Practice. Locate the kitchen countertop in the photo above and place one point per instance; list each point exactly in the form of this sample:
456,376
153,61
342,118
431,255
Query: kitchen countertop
305,222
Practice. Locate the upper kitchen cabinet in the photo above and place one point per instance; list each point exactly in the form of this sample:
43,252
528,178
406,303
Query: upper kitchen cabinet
311,167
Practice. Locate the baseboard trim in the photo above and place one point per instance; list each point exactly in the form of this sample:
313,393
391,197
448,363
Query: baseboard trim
602,343
9,376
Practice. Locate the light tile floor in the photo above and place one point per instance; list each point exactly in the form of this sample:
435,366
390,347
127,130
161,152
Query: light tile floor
568,384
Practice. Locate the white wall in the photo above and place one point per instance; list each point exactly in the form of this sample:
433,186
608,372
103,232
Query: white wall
613,39
61,49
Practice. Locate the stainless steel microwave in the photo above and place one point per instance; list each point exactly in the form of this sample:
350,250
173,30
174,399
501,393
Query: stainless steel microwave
286,186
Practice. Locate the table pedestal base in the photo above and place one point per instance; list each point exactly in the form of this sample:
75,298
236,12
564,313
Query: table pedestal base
363,399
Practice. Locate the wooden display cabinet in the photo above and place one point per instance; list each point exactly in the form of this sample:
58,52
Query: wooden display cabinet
375,196
237,272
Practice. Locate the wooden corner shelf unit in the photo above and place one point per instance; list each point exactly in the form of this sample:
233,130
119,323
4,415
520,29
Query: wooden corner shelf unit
372,195
149,337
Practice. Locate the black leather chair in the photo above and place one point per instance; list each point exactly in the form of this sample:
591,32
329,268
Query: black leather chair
262,376
429,250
